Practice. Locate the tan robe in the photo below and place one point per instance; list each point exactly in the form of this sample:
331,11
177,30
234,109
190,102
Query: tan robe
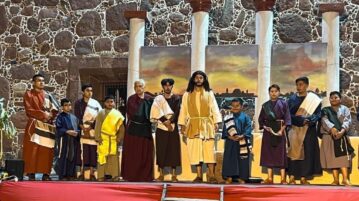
327,155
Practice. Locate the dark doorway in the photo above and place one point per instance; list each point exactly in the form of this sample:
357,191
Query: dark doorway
119,91
105,82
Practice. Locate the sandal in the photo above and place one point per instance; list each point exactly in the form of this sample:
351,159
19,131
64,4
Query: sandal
267,181
304,182
284,182
161,178
116,179
229,180
212,180
346,183
241,181
292,181
198,180
46,177
174,179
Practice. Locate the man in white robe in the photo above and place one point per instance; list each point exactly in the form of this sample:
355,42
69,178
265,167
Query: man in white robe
199,118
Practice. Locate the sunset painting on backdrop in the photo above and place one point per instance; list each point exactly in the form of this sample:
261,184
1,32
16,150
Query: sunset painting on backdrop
158,63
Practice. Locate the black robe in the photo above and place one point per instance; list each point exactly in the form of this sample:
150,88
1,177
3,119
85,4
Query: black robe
66,156
310,166
168,147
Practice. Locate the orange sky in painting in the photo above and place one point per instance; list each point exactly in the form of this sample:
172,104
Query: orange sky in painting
235,66
232,67
158,63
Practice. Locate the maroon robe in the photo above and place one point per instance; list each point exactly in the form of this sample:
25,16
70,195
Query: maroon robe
87,155
138,151
38,159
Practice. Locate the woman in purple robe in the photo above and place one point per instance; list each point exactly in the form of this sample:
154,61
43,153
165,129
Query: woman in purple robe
274,118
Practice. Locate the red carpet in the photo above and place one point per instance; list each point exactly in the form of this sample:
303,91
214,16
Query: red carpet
82,191
292,193
63,191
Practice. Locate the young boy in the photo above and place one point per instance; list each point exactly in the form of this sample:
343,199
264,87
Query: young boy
109,130
66,134
336,151
237,131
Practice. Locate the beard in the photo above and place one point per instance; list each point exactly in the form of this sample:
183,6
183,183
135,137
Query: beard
199,84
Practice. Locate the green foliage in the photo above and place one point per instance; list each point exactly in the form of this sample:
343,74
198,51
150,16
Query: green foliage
6,125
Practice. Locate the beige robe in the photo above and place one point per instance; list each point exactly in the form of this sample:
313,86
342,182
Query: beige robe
327,155
201,124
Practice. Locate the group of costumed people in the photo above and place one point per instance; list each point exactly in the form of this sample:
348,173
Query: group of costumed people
89,138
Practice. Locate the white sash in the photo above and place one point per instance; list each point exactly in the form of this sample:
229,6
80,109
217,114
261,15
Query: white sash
159,109
92,109
44,134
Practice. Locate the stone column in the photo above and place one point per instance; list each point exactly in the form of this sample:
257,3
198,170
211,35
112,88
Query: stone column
330,13
200,20
264,40
137,39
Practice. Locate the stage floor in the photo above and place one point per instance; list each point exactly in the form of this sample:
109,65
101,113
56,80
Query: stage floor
124,191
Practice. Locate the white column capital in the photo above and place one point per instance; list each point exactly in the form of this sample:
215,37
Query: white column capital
331,7
200,5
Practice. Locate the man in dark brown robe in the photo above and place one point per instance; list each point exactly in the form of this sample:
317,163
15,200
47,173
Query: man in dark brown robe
138,148
165,110
41,108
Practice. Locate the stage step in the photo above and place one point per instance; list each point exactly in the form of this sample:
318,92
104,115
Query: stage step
187,199
164,198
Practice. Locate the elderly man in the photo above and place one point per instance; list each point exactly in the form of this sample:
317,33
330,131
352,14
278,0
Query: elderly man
138,147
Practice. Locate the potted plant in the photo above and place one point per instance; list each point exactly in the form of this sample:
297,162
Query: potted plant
7,128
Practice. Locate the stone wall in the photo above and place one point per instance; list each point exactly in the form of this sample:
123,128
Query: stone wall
45,35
